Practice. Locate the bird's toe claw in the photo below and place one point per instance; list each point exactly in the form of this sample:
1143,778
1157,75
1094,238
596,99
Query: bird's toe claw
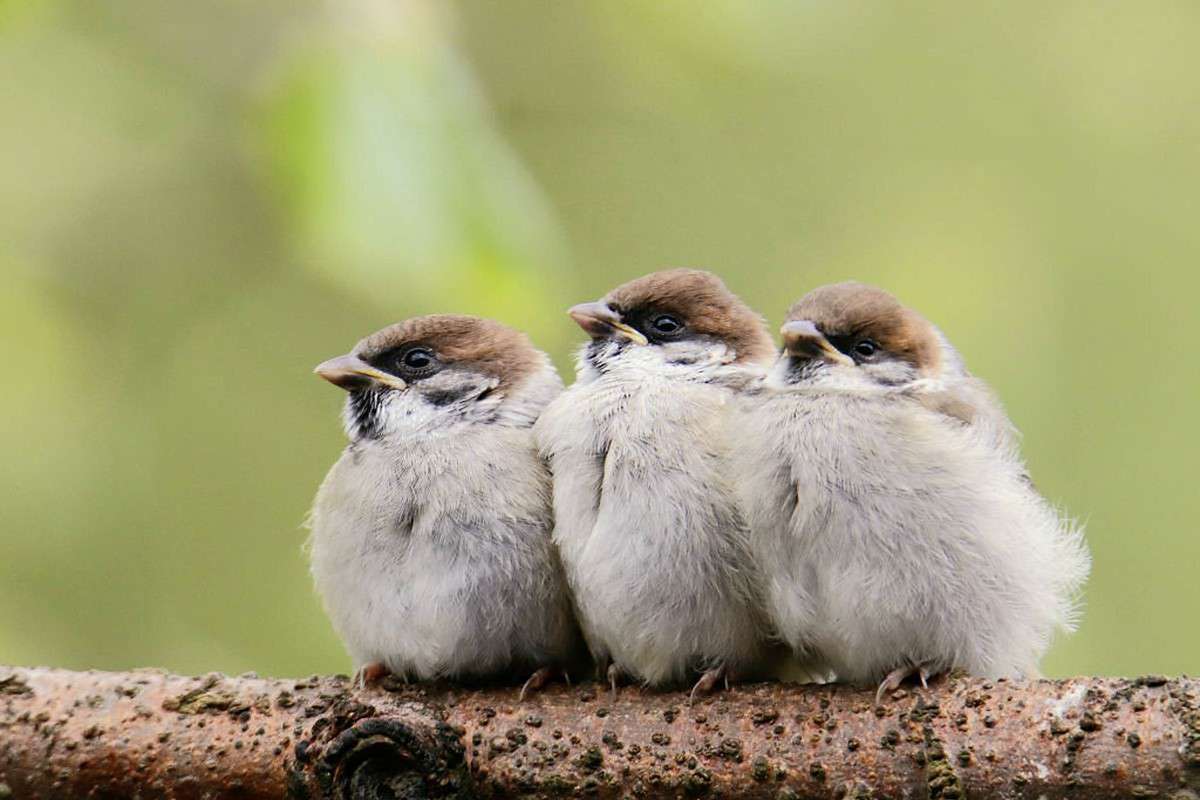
708,681
892,682
538,679
613,674
369,674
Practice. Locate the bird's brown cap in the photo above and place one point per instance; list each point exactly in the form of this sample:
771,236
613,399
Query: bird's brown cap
704,302
488,346
855,309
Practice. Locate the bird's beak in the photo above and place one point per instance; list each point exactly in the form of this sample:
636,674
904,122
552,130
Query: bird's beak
599,321
350,372
801,339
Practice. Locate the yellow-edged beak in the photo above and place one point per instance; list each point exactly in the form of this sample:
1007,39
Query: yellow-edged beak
801,339
599,321
350,372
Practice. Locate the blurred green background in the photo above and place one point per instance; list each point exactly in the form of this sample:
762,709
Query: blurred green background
200,201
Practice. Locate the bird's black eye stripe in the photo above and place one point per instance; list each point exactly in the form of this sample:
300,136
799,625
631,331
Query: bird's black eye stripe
666,324
417,358
659,326
865,348
409,362
860,348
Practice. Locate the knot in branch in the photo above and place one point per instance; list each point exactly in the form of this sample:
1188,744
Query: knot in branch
389,759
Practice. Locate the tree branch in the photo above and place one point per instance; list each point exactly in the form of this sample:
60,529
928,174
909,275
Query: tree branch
151,734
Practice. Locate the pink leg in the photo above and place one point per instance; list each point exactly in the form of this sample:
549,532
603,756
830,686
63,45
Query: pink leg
370,674
708,682
539,679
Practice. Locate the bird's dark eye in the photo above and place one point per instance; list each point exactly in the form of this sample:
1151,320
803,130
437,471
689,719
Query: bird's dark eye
418,359
865,348
666,324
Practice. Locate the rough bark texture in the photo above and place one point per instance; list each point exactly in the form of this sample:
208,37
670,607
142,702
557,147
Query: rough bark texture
150,734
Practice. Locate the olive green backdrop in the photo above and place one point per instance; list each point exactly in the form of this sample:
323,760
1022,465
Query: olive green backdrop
200,201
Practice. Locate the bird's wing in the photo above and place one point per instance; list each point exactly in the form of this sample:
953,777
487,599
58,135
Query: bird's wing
971,402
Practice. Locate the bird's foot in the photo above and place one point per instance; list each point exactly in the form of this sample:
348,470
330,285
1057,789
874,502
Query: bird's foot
540,678
613,673
708,682
370,674
900,674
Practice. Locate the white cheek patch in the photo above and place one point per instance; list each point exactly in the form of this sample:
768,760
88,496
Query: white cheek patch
445,402
451,386
692,359
408,411
435,406
891,371
703,352
819,376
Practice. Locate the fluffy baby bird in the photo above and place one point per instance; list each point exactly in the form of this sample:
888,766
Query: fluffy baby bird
646,516
896,526
431,534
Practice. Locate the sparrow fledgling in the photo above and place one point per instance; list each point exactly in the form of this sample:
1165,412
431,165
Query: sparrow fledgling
431,539
893,518
646,517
